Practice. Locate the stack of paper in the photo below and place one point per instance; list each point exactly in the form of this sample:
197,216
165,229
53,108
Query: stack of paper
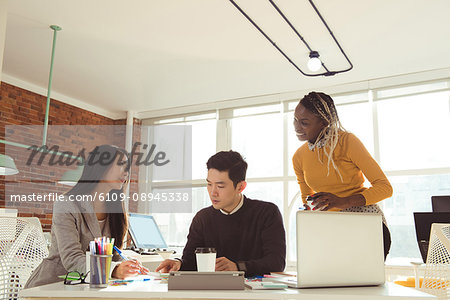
265,285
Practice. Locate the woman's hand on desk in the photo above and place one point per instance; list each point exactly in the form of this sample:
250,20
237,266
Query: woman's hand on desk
169,265
129,268
326,201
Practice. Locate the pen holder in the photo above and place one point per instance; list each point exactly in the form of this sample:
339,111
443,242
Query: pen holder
100,267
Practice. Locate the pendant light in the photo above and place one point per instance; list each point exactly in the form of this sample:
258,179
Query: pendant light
7,165
314,63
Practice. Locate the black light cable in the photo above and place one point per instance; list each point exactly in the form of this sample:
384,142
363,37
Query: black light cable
313,54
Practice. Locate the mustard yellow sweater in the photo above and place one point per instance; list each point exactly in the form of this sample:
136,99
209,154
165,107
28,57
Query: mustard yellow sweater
352,160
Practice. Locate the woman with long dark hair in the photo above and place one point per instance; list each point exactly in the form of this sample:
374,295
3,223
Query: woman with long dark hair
91,209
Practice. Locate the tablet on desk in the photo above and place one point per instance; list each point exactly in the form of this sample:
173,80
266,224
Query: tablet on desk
193,280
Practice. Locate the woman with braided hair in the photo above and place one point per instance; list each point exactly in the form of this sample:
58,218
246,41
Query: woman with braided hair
331,164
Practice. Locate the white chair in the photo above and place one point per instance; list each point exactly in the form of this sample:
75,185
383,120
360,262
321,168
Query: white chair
437,269
8,212
22,248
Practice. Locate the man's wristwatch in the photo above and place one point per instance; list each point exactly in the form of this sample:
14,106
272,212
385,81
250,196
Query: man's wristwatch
179,259
242,266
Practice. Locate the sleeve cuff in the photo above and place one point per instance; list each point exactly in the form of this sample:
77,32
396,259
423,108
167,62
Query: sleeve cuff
242,266
114,264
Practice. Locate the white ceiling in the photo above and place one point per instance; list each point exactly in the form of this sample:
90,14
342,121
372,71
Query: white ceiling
146,55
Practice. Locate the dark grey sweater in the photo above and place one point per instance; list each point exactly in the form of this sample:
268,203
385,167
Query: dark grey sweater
254,235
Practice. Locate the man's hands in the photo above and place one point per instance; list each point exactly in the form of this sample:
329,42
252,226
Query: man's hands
128,268
326,201
224,264
169,265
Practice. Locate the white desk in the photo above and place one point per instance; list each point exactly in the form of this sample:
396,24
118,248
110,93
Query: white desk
158,290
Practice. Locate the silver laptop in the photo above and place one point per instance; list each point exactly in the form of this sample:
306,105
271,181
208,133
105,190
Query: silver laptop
337,249
145,234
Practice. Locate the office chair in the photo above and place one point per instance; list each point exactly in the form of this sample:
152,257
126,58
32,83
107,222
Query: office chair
437,269
22,248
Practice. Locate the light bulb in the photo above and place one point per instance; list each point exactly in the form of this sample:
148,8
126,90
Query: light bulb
314,64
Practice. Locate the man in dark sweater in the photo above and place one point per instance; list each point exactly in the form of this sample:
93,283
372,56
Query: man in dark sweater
248,234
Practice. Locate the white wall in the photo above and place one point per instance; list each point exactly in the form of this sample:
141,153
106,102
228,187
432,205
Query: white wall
3,15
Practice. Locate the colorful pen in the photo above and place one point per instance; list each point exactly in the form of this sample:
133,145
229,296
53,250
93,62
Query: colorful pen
126,258
130,280
120,253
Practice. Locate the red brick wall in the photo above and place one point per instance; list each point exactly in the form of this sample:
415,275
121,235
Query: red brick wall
22,107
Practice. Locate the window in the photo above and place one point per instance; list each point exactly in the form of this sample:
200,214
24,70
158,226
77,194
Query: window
413,131
259,140
203,143
174,226
357,118
294,196
411,194
266,191
413,147
200,136
293,141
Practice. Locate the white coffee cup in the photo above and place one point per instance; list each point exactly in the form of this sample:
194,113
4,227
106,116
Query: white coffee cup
206,259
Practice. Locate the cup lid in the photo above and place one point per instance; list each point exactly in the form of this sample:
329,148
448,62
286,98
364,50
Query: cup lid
205,250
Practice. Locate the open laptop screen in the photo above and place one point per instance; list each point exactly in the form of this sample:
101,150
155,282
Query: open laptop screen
440,203
145,232
423,222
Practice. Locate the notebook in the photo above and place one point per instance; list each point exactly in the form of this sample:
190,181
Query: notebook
336,249
145,233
